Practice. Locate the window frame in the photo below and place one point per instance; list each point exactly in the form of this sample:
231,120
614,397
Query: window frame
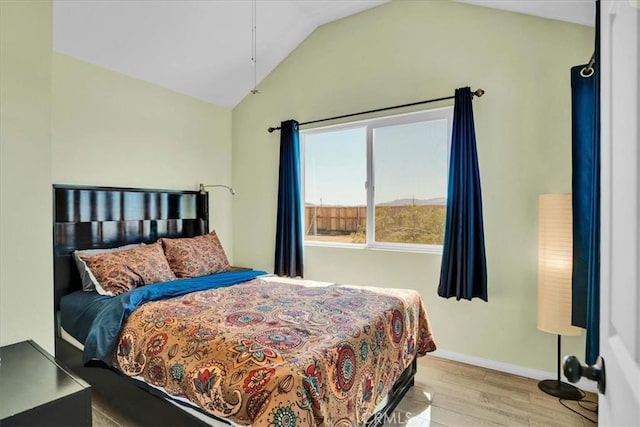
370,125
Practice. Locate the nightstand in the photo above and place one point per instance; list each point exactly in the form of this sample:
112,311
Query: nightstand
36,389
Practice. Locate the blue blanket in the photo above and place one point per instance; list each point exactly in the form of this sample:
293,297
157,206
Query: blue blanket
105,330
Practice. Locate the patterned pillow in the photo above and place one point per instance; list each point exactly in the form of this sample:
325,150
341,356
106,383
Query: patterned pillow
196,256
119,272
89,282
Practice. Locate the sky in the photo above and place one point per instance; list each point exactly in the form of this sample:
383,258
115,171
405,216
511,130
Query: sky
410,160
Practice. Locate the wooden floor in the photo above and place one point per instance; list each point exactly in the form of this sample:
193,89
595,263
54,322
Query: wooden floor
452,394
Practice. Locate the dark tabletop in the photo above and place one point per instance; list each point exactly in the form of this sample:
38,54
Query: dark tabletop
30,377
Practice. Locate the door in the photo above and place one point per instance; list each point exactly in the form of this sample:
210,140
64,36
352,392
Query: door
620,216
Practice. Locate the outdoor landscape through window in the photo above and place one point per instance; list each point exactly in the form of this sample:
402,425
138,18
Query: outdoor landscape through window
406,162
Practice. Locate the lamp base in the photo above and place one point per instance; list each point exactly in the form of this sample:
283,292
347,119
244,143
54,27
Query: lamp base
562,390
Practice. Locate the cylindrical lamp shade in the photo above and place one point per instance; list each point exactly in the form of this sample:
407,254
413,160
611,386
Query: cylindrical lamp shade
555,255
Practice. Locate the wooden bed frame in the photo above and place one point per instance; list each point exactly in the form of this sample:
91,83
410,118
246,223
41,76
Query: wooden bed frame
105,217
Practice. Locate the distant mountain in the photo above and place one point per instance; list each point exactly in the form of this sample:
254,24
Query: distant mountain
438,201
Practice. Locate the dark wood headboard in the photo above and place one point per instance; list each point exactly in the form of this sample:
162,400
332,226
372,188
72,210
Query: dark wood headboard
108,217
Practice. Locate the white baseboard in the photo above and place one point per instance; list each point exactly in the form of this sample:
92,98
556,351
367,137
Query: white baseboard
522,371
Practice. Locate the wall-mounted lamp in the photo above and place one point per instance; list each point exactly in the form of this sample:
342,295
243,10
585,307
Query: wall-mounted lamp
202,187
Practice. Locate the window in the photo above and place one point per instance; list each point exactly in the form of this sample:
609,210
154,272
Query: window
379,183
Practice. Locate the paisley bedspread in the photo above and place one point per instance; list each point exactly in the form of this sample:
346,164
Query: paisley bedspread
280,353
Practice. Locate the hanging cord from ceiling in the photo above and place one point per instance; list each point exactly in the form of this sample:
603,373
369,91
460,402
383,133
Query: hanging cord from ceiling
254,49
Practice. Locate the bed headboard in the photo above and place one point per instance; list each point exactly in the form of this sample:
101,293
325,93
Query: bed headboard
107,217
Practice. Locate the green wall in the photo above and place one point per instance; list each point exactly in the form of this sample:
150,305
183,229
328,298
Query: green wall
113,130
66,121
406,51
26,272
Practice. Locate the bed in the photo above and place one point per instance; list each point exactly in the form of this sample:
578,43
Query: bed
236,347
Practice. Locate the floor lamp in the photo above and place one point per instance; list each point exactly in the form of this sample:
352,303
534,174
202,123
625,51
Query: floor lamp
555,259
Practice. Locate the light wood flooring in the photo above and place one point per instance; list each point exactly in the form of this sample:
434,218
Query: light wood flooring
452,394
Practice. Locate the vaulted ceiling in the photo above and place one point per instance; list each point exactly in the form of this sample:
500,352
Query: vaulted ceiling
203,48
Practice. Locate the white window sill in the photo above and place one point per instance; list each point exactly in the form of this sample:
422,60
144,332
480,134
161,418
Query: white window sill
427,249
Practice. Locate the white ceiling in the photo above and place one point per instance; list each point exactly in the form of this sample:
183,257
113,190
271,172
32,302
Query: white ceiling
199,48
575,11
202,48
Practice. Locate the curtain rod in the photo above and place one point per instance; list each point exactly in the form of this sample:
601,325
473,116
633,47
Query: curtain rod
478,93
587,70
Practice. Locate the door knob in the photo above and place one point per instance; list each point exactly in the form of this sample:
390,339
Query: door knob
573,370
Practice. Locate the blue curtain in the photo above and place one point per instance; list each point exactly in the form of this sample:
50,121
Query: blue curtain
585,109
288,259
463,273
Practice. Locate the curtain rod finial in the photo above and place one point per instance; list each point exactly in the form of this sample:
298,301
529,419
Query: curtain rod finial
271,129
479,92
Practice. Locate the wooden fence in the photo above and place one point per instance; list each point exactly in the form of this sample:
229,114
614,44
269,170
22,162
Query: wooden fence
333,220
